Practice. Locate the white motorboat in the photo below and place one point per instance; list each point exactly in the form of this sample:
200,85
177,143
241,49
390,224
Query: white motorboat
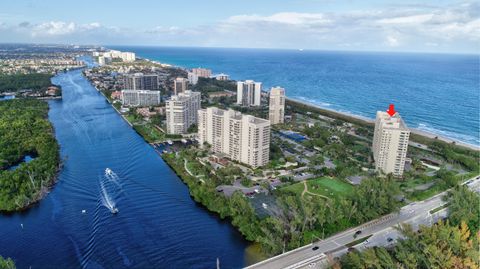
114,210
108,171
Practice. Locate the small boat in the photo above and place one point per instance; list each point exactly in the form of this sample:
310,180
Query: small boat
170,142
108,171
184,141
84,211
264,205
114,210
165,152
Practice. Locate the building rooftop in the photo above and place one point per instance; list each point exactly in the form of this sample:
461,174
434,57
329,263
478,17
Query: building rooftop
237,115
391,122
184,95
140,91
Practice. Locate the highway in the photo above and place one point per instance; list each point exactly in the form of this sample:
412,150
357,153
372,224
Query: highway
415,213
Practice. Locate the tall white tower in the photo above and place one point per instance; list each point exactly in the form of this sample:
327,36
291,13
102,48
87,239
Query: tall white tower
276,111
390,143
249,93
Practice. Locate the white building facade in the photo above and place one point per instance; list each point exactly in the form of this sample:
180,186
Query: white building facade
140,98
249,93
222,76
242,138
276,105
192,78
182,111
390,143
125,56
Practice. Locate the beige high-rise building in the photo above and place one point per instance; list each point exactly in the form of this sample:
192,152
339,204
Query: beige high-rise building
180,85
276,111
182,111
390,143
222,76
202,72
242,138
249,93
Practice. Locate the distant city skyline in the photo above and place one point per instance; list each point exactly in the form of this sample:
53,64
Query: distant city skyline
419,26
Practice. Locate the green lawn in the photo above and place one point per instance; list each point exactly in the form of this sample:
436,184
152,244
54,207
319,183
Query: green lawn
296,188
326,186
150,133
330,187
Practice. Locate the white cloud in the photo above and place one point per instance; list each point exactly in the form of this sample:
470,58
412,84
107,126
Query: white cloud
292,18
53,28
414,19
417,28
392,41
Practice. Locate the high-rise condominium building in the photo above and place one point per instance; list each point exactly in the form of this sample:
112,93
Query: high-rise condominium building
101,60
125,56
140,98
276,112
182,111
150,82
242,138
140,81
390,143
222,76
249,93
192,78
180,85
202,72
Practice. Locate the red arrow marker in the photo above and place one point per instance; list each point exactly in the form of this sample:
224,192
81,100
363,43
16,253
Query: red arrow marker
391,110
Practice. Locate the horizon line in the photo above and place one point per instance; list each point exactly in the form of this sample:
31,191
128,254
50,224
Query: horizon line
252,48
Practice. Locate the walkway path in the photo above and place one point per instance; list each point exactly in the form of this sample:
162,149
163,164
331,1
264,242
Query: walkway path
190,173
305,190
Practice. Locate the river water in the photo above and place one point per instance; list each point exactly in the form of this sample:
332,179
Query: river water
158,224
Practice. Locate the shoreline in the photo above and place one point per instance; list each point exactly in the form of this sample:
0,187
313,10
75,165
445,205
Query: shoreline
416,131
371,122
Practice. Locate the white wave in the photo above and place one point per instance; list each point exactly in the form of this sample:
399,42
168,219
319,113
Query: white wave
107,200
468,139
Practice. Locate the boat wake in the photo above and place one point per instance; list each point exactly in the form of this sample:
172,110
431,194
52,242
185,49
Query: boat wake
107,200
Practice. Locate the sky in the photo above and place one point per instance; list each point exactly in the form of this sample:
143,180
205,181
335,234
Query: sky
446,26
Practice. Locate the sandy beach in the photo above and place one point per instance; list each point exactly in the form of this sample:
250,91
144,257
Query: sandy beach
368,121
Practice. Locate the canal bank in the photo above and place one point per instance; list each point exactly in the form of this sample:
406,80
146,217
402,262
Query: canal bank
158,224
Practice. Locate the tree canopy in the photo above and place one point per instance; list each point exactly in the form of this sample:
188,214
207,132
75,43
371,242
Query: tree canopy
25,130
16,82
446,244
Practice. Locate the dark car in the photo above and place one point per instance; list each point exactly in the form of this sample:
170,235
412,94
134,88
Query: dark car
315,248
389,239
357,233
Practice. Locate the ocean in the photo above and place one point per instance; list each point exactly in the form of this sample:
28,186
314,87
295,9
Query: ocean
437,93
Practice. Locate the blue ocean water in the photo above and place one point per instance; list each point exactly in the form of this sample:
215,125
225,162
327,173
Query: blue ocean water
438,93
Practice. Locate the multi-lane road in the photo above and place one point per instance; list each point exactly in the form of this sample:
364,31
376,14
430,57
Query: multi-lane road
381,232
